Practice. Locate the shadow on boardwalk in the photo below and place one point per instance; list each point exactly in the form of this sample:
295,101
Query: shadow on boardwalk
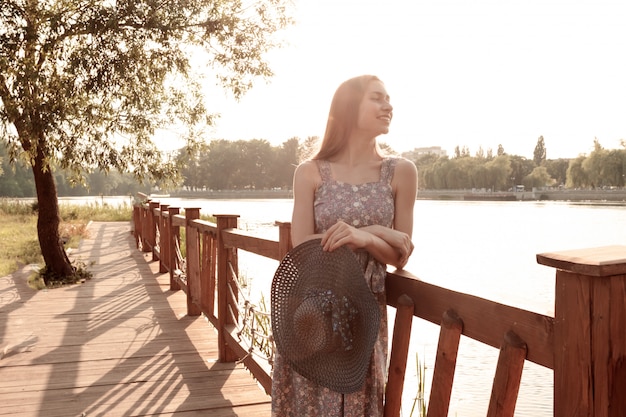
118,345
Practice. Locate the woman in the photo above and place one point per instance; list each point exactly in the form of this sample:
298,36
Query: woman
350,194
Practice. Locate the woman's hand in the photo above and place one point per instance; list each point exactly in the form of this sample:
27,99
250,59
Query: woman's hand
401,242
394,252
341,234
398,240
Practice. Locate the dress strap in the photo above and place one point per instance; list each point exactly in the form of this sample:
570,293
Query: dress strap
387,169
324,168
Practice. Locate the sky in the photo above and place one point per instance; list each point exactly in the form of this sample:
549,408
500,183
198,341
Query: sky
472,73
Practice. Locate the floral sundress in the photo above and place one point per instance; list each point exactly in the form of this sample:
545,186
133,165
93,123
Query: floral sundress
358,205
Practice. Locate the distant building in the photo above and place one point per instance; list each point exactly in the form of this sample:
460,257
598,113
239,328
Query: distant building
417,152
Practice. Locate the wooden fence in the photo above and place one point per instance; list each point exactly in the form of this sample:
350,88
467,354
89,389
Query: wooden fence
584,343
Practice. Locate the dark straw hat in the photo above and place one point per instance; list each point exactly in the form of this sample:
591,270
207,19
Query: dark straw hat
325,320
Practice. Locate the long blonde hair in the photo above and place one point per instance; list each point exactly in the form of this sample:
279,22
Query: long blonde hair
343,115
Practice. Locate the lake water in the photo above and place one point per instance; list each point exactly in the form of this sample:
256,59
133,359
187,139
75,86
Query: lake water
486,249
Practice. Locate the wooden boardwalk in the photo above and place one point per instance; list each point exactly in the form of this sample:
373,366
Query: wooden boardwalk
120,344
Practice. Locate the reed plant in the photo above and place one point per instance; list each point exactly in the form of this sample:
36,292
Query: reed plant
263,322
256,316
419,402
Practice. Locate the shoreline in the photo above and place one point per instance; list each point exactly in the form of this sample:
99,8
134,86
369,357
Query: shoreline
615,196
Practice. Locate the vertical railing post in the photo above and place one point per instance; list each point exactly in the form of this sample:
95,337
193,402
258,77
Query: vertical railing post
174,236
450,332
151,222
284,238
145,228
192,245
137,224
207,275
210,276
163,240
225,257
398,357
589,331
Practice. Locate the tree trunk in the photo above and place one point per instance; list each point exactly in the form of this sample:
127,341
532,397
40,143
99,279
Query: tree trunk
55,258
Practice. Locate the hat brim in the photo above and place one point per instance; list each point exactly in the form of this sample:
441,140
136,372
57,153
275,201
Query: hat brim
308,267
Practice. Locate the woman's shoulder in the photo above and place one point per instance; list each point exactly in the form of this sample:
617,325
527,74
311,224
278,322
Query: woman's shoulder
308,171
401,162
308,167
404,172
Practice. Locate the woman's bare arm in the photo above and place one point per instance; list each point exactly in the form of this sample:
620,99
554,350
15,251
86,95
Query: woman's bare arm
305,181
391,246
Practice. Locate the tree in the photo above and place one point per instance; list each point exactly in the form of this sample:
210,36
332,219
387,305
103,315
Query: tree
256,158
460,174
595,165
425,167
500,172
539,177
520,168
192,169
308,148
614,167
437,176
557,169
286,162
576,175
223,161
85,84
15,180
461,153
539,155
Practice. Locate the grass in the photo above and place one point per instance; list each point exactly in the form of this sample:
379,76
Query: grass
19,244
419,402
256,326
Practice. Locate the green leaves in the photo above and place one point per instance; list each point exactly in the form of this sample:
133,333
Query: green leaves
93,81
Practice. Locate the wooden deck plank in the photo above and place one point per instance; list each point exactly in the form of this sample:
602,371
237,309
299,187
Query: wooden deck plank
102,372
119,344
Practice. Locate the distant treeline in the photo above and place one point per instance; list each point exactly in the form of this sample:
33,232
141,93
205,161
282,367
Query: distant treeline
16,180
257,165
602,168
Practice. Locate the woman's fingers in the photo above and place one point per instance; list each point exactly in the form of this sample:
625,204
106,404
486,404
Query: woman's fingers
338,235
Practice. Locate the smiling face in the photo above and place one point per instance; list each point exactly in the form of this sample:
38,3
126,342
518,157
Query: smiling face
375,110
359,107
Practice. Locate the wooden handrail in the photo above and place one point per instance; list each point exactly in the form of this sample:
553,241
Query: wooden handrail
483,320
584,343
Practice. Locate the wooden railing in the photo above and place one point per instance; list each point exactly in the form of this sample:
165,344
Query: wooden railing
584,343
